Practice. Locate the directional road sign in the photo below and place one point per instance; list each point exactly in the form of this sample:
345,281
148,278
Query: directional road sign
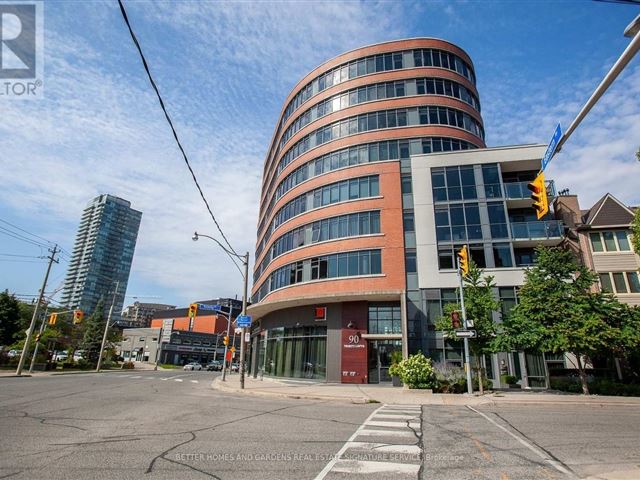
466,333
243,321
551,149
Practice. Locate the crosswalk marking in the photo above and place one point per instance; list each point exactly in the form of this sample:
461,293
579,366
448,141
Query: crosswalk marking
364,466
177,379
413,425
194,381
397,431
396,416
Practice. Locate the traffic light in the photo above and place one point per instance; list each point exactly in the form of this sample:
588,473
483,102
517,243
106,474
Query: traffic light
193,310
539,195
455,320
53,318
225,340
233,349
78,315
463,261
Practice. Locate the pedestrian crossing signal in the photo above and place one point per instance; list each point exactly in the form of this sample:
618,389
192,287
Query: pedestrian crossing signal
78,315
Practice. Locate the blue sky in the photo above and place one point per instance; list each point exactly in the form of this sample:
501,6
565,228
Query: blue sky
224,69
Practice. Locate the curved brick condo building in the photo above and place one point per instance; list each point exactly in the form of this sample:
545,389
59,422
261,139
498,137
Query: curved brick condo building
334,235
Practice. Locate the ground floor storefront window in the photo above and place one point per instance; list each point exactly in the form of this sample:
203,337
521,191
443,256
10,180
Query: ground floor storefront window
295,352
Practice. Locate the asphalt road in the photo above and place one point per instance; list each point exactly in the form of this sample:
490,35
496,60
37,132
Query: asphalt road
171,424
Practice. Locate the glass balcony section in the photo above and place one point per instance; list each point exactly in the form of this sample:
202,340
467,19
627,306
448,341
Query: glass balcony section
540,230
519,190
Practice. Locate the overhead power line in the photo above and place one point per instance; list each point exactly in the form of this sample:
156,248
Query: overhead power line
173,130
49,242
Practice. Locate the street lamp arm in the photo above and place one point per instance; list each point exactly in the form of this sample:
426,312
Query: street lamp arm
244,259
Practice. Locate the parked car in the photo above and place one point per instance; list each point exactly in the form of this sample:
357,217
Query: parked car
14,353
214,366
60,356
192,366
78,355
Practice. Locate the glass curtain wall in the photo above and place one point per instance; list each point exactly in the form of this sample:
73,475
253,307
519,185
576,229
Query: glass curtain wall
295,352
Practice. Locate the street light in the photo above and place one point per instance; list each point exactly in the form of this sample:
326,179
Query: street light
245,276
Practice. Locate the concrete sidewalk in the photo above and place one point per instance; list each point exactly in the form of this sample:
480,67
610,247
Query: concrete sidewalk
351,393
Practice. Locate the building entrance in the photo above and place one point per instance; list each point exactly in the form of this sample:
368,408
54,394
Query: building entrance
380,359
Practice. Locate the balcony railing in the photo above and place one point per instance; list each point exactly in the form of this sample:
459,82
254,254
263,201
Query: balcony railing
519,190
541,230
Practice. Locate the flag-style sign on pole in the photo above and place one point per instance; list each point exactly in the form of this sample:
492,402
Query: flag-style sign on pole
551,149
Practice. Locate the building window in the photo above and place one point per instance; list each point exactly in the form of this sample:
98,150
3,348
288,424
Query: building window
348,264
634,282
610,241
618,280
508,299
385,319
605,283
410,261
491,179
502,255
596,242
497,220
408,222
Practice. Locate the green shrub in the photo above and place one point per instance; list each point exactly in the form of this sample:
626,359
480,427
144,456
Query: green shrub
449,379
127,366
509,379
487,384
600,386
417,372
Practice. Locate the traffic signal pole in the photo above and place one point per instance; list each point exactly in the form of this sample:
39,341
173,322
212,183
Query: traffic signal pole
36,310
467,360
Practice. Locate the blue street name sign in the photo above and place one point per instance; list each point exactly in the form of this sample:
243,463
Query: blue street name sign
203,306
551,149
243,321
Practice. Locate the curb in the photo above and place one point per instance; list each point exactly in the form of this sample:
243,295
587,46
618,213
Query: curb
218,385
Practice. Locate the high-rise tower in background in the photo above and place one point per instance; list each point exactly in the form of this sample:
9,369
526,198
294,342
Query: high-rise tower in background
102,254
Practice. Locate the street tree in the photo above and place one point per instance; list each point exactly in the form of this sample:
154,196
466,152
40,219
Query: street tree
93,331
559,312
480,303
9,317
635,232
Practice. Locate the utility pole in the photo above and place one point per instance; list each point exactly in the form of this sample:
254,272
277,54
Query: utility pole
35,349
467,360
106,327
25,350
244,312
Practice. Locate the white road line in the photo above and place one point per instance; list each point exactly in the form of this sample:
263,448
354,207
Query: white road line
393,433
177,379
194,381
135,376
386,448
397,417
555,464
344,448
393,424
362,466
